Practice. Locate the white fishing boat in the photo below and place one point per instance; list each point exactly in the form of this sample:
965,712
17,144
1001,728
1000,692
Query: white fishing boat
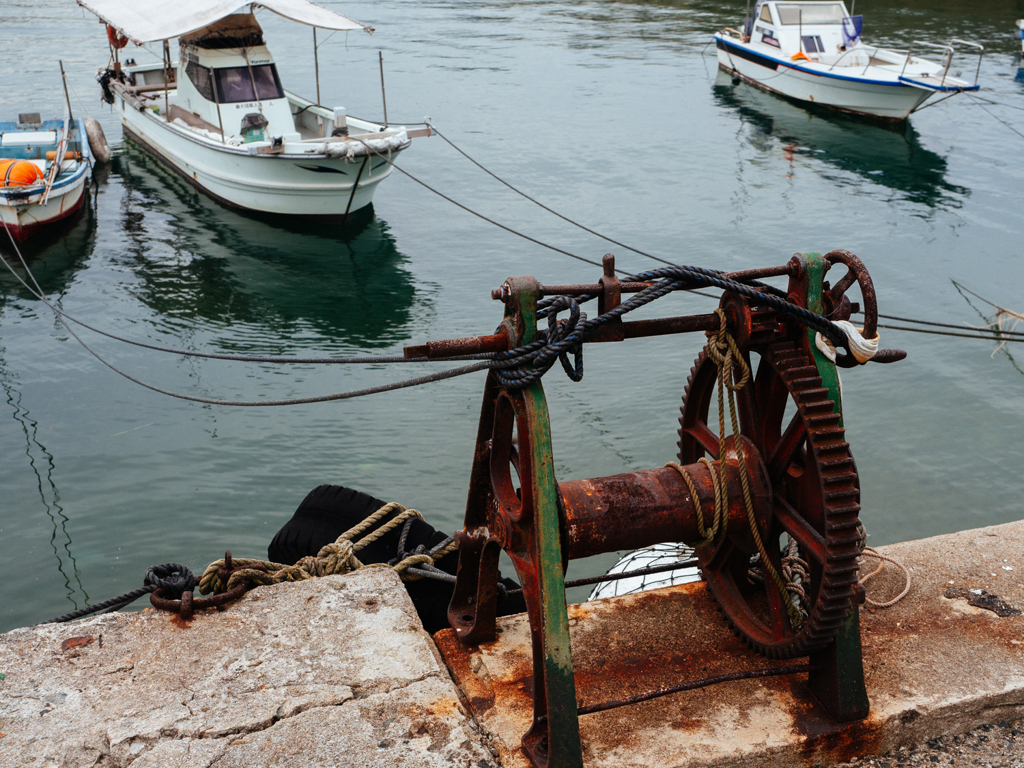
43,169
220,117
813,52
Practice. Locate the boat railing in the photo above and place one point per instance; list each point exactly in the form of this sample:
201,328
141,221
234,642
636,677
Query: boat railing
872,53
947,53
853,49
981,52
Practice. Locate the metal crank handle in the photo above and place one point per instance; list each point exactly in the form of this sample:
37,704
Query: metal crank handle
881,356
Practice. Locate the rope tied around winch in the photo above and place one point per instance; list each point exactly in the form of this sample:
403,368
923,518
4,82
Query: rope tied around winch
724,352
861,348
708,535
338,557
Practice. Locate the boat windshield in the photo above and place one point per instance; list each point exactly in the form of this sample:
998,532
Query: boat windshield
811,13
234,84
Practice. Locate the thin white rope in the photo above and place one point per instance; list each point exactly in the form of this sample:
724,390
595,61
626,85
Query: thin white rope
862,349
882,560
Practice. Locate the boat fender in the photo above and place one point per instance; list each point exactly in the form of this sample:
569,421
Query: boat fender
69,155
97,140
19,173
330,510
115,38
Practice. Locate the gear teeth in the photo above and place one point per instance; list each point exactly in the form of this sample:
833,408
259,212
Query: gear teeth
840,494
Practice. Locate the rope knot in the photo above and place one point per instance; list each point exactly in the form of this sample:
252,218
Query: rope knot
338,557
725,353
401,567
172,578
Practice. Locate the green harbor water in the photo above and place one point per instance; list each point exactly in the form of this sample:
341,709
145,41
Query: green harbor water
612,113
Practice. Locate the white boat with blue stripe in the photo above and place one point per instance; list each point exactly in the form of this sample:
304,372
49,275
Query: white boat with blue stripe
813,52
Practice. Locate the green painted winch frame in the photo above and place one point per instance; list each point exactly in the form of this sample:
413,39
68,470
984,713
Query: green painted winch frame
532,522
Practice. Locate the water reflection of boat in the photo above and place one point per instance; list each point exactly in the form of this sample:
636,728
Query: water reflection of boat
54,254
890,156
198,259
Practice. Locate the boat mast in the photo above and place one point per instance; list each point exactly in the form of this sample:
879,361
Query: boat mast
316,68
167,80
67,98
383,96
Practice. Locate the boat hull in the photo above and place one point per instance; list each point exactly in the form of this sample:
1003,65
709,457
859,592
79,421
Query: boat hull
316,188
873,98
27,217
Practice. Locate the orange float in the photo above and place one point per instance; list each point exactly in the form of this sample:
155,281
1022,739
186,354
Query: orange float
115,38
19,173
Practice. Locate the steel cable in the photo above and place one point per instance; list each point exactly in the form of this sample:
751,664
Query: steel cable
451,373
209,355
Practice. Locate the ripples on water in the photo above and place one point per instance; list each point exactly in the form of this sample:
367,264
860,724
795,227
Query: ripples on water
607,111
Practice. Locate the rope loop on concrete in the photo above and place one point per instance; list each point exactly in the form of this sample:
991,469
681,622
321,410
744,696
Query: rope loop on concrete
882,560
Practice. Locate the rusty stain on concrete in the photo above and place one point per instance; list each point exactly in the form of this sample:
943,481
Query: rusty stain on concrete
933,665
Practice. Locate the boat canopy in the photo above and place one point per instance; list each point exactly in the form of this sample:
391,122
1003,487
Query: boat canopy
150,22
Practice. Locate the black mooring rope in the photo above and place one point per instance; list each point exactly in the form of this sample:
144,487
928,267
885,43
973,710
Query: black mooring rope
173,578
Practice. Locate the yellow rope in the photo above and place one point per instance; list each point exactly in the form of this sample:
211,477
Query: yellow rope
335,558
726,355
708,535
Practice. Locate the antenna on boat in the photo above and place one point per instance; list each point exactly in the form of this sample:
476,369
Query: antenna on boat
383,96
167,80
748,24
316,68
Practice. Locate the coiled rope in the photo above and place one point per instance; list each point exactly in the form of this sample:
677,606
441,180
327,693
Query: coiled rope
520,367
882,560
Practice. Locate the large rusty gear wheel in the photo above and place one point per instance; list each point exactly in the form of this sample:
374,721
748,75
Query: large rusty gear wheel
816,496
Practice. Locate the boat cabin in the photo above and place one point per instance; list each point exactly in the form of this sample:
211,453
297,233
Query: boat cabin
821,31
228,81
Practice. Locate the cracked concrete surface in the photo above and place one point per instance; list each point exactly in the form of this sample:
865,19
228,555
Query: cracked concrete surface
331,672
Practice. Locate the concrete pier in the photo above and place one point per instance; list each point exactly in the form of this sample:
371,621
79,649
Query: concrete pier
338,672
332,672
934,665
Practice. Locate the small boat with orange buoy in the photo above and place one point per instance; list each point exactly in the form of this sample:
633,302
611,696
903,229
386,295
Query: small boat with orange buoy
43,169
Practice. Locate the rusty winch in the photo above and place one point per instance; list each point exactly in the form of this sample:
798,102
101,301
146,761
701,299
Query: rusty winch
786,480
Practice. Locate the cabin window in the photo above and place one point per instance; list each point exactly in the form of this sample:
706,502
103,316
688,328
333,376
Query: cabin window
811,13
201,79
766,15
235,84
813,44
